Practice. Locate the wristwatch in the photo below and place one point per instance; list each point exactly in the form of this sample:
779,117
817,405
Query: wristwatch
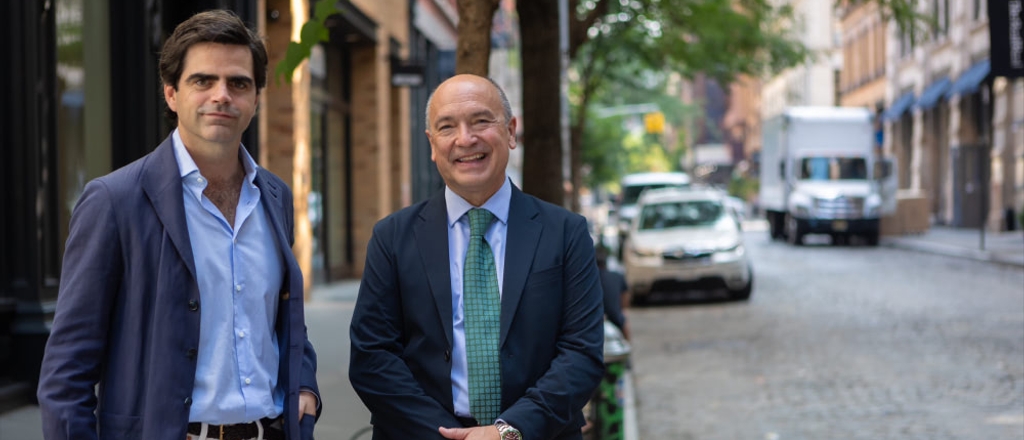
507,432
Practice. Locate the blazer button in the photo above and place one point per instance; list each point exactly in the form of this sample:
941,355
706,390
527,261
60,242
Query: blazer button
188,401
191,353
193,305
447,356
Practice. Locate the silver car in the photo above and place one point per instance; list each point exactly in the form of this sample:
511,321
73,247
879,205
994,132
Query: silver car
685,239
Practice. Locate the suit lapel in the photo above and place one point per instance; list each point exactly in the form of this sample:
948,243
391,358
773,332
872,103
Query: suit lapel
161,181
431,232
270,196
273,204
521,241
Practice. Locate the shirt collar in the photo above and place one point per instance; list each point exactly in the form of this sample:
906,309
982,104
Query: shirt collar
497,204
188,166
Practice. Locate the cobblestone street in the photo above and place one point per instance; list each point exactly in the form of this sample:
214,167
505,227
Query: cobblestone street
845,342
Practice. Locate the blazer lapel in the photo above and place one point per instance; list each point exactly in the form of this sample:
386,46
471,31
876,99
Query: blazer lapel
521,241
273,205
161,181
431,231
270,196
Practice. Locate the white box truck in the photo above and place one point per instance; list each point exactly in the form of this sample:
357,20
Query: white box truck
820,175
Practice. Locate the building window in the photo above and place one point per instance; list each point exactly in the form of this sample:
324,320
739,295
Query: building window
940,15
907,41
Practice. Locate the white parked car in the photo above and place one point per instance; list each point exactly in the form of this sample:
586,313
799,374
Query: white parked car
685,239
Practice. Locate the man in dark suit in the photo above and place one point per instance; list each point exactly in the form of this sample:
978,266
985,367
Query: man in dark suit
416,342
180,296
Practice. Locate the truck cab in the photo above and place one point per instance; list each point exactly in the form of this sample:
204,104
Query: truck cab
821,175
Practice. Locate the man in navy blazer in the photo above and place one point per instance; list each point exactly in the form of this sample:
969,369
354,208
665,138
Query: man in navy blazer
408,330
180,296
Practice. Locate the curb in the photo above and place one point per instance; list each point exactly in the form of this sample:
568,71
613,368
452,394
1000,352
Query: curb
629,423
953,251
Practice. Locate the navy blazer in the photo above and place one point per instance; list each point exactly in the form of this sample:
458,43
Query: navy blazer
128,310
551,323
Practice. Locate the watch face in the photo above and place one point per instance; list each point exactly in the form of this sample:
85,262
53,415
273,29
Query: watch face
507,432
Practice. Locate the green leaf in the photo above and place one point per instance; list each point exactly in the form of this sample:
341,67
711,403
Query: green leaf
313,32
324,9
294,56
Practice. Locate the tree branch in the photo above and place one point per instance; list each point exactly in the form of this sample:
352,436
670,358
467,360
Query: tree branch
578,26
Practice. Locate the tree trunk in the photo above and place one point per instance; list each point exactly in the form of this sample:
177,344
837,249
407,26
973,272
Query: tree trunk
542,139
576,154
473,53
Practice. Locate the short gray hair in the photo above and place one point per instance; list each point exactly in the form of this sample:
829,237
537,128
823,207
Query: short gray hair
506,106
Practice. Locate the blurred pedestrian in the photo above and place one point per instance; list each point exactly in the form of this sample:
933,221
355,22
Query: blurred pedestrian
616,293
180,296
479,314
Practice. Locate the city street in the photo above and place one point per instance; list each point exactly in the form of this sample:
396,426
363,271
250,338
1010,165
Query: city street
849,342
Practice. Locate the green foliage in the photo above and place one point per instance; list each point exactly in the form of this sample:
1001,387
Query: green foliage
719,38
312,33
603,154
644,155
744,187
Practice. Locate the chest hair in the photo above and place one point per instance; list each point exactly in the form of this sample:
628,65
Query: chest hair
225,194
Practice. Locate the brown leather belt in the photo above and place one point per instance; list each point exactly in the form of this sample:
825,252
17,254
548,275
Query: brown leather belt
239,431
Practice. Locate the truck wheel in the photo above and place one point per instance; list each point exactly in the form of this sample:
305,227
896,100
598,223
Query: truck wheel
775,226
793,233
871,238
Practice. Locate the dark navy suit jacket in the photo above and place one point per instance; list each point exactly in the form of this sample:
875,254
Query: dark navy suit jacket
128,310
551,323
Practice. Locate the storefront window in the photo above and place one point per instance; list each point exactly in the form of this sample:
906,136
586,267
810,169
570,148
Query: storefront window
83,91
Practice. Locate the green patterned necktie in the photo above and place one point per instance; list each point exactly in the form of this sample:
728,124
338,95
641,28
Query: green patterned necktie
482,314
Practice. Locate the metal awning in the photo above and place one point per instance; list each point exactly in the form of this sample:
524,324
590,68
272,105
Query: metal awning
969,81
931,94
898,107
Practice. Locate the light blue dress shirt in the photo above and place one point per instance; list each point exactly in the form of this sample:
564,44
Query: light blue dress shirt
240,271
458,243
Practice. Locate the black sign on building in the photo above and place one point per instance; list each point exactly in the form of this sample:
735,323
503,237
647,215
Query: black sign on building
1007,37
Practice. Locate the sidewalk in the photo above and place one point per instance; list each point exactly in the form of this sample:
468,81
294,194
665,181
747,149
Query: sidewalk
328,313
999,247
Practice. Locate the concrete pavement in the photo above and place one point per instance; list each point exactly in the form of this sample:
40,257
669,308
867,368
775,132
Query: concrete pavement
997,247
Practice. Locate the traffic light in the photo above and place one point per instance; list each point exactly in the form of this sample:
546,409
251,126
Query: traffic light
654,122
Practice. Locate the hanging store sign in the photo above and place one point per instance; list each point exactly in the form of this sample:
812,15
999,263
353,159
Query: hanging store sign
1006,32
406,73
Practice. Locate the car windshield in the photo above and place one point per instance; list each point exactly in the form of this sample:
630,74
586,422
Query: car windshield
631,193
680,214
833,168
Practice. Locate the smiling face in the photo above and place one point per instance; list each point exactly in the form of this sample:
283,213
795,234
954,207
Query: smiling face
469,137
215,98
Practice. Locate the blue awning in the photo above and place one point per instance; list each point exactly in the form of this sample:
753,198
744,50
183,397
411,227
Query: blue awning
931,94
969,81
898,107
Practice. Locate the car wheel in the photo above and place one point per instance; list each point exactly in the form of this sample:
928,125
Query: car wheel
743,293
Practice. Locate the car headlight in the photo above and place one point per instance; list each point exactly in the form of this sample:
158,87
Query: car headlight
730,252
802,211
729,248
645,252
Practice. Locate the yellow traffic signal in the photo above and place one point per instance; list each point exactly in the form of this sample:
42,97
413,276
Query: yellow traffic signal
655,122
